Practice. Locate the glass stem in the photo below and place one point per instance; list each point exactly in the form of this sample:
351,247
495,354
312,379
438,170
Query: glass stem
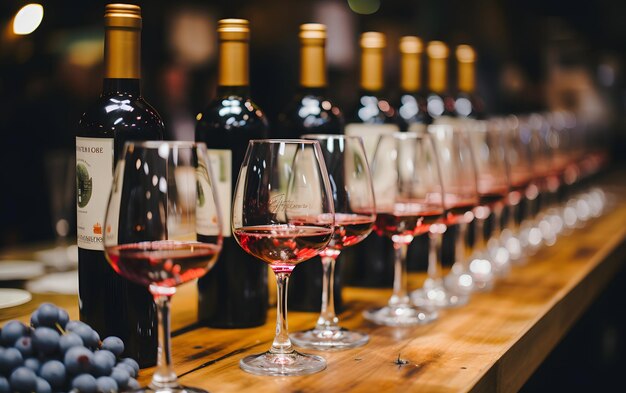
281,344
328,319
399,297
479,234
460,249
164,376
497,221
435,271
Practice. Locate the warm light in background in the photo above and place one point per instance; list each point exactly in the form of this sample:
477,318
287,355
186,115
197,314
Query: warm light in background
27,19
364,7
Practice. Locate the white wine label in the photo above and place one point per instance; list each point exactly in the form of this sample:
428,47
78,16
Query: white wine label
221,163
94,174
371,134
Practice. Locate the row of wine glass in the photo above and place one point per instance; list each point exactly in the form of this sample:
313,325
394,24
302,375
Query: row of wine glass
296,199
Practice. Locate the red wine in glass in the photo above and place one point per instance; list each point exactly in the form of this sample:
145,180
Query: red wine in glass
164,263
403,224
350,229
283,246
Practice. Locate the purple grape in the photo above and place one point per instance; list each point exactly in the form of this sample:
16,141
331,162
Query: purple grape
53,371
43,386
12,331
10,359
106,385
133,384
25,346
33,364
69,340
4,385
89,336
121,376
113,344
128,368
34,319
102,363
23,380
109,354
71,325
46,340
63,318
131,362
78,360
48,315
85,383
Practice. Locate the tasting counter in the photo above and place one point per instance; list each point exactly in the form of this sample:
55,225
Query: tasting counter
493,344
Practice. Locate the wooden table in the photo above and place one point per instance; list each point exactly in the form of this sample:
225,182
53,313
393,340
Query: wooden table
493,344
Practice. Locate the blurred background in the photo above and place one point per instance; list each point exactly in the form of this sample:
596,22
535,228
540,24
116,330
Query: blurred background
533,55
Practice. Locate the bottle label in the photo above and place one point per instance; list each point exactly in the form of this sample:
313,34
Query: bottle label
371,134
221,163
94,174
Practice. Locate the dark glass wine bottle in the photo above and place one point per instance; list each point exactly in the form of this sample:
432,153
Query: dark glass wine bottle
412,112
311,112
440,107
234,294
109,303
467,104
439,103
413,116
369,263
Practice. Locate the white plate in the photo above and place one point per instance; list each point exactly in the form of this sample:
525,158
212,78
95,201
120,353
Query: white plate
20,270
64,282
60,258
13,297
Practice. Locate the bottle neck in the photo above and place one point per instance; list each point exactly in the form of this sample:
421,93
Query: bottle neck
312,66
233,64
410,72
467,77
238,91
437,75
122,48
372,69
119,85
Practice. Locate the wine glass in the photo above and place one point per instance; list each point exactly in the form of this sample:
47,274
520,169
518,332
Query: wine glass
408,201
487,145
162,229
458,177
522,188
353,197
283,214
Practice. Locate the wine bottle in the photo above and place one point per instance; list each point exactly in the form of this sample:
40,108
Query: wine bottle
439,103
368,264
234,293
109,303
467,103
412,112
312,112
413,116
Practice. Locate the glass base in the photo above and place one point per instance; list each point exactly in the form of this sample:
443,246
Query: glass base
179,389
329,340
438,298
405,315
482,270
287,364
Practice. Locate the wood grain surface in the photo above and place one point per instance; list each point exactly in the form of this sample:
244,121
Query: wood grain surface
493,344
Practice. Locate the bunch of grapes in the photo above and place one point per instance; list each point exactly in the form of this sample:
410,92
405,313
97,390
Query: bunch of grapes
55,354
